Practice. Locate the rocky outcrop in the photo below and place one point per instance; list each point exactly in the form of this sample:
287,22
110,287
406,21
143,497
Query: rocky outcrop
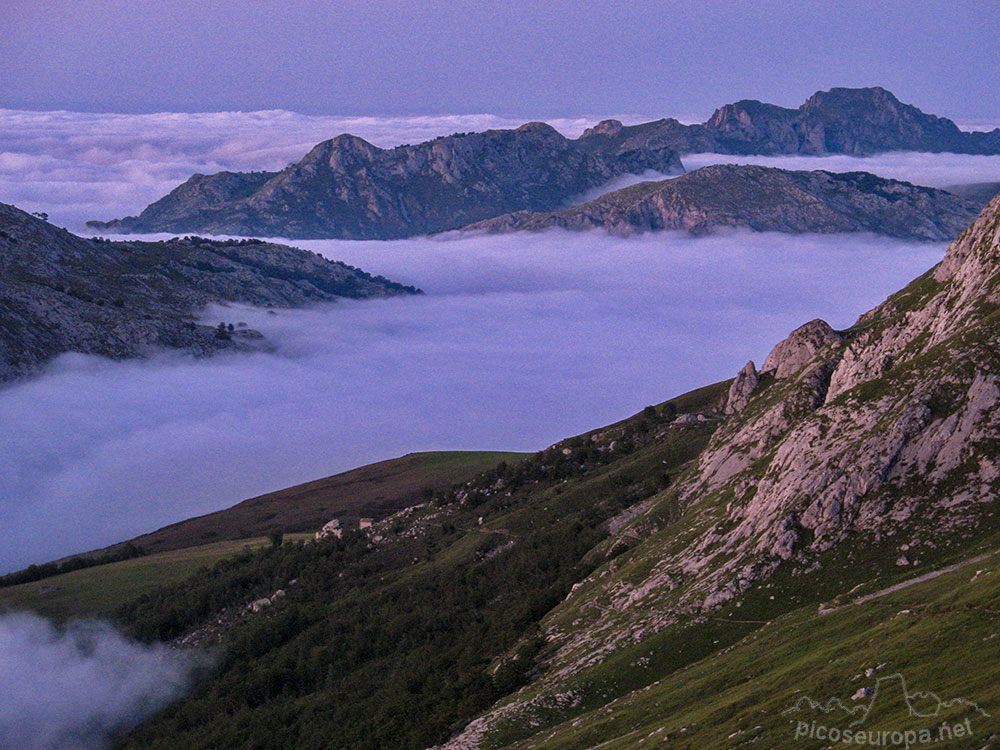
348,188
764,199
742,388
792,355
60,292
863,431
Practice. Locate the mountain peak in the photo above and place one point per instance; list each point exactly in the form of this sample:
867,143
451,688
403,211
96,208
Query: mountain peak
610,128
538,127
841,96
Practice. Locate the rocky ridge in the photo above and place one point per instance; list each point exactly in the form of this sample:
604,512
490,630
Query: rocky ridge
763,199
60,292
346,187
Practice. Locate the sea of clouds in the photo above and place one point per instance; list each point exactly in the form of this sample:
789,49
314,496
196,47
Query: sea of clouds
934,170
520,340
78,166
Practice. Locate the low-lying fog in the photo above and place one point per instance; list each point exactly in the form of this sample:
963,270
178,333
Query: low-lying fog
521,340
934,170
73,688
77,166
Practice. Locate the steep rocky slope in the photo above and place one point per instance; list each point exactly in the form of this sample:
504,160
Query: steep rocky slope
764,199
60,292
346,187
853,457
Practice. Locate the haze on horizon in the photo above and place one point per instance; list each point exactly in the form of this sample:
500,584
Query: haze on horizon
528,59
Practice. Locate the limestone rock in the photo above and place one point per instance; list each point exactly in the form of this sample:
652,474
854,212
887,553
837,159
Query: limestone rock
791,356
742,388
347,188
331,528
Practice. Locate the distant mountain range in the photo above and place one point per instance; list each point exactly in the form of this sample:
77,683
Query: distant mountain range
348,188
764,199
60,292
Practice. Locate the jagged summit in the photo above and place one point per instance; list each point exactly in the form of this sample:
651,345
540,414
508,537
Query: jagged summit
346,187
610,128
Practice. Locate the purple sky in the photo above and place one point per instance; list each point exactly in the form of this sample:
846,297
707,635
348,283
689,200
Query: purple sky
530,58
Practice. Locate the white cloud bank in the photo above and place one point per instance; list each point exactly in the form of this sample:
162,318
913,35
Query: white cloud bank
72,689
521,340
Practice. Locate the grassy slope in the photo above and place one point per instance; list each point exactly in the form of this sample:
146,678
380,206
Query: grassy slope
398,644
101,589
376,490
179,550
941,634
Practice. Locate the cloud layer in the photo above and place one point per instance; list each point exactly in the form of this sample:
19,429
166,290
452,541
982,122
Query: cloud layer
935,170
72,689
521,340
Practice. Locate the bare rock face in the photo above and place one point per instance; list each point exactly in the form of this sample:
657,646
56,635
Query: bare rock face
763,199
791,356
742,388
60,292
346,187
892,417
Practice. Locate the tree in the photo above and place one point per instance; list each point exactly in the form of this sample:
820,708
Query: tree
276,537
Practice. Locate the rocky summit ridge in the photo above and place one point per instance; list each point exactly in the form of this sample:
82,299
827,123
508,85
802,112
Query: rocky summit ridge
60,292
763,199
854,121
347,188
